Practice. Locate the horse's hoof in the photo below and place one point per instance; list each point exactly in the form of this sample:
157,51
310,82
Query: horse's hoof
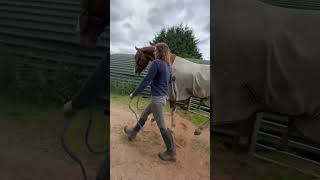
197,132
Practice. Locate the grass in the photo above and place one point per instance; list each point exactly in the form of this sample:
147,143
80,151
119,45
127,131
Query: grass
143,102
124,100
233,166
301,164
197,119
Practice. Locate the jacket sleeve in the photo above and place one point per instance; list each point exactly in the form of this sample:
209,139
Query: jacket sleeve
95,86
147,79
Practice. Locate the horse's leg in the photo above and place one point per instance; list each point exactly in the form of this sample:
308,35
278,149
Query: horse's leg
283,145
173,106
185,104
204,125
242,140
200,103
188,101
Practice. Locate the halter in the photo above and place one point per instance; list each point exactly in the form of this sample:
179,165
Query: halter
148,58
88,21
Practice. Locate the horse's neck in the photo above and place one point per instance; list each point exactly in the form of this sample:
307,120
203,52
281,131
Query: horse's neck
172,57
148,50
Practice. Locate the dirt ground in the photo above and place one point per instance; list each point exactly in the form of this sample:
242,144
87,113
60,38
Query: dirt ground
25,158
139,159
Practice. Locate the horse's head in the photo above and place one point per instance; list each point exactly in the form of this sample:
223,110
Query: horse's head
92,21
142,58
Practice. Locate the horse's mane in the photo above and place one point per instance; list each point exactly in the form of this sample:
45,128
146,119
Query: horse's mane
150,49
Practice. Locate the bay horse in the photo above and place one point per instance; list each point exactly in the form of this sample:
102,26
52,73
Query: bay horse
92,21
145,55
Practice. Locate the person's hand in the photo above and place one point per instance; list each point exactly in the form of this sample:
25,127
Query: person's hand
131,96
68,111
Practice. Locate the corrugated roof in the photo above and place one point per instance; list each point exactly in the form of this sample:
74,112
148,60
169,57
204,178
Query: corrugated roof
296,4
45,30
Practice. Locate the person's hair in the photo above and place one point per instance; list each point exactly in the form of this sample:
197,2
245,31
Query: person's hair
163,51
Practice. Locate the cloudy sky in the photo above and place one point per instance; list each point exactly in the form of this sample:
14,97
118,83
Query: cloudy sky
135,22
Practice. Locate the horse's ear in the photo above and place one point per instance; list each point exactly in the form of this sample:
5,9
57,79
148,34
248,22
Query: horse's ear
151,44
137,48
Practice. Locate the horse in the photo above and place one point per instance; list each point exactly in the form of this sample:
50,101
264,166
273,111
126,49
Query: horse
266,59
92,21
187,76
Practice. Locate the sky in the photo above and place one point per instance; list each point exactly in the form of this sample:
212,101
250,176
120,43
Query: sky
136,22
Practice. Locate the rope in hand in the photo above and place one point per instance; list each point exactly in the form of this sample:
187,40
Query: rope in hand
138,102
67,150
87,137
132,110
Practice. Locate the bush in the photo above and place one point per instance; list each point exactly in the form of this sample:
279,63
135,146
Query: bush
38,82
7,75
122,87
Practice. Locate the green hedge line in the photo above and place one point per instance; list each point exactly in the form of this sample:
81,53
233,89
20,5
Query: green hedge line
39,82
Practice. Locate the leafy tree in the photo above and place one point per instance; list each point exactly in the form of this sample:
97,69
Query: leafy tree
181,41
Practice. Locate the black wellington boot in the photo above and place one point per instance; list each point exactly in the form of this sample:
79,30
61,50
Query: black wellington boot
132,132
170,153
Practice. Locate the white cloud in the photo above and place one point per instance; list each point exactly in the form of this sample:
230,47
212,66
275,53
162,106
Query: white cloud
135,22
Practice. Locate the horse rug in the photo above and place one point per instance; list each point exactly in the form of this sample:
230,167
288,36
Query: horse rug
190,79
267,58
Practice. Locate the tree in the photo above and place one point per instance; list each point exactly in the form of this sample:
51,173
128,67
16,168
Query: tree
181,41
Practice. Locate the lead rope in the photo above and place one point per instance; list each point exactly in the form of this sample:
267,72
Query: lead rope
138,100
87,137
68,151
132,110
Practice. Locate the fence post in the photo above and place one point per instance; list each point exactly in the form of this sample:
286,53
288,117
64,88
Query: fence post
254,136
189,104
